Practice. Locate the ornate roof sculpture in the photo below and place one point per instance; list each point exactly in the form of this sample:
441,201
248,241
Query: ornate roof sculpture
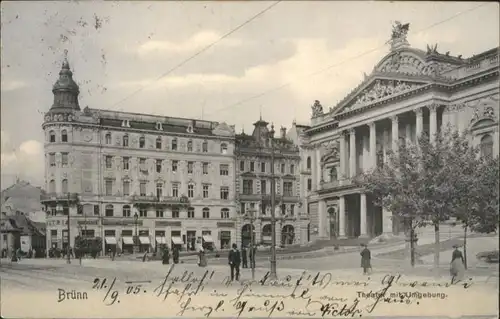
317,109
398,36
65,89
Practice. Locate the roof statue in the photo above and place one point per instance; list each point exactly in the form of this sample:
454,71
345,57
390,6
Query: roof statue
398,36
432,49
317,109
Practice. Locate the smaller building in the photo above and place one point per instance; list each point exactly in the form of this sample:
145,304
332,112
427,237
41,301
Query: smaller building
19,232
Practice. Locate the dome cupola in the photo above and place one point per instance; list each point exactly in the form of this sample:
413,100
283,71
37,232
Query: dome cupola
65,90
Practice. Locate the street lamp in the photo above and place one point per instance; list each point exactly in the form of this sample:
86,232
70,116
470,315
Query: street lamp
251,216
68,249
136,217
273,275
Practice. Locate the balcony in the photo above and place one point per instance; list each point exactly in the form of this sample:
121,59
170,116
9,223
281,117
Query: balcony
164,201
59,198
290,199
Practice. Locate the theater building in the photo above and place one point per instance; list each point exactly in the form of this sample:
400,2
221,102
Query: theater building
409,91
135,180
253,154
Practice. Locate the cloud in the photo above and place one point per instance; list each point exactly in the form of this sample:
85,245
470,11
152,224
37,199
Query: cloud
12,85
195,42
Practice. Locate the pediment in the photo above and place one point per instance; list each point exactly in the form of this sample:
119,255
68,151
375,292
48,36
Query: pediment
288,177
248,174
407,61
223,129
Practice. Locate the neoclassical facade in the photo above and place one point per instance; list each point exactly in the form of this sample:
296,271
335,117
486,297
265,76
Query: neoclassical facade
409,91
253,187
135,179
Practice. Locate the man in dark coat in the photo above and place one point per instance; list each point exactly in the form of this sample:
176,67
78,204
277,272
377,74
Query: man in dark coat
251,254
234,259
166,256
366,257
175,255
244,257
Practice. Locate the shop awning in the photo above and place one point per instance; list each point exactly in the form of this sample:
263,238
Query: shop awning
161,240
267,238
177,241
208,238
128,240
110,240
144,240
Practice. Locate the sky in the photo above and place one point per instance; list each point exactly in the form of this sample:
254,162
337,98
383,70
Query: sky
278,63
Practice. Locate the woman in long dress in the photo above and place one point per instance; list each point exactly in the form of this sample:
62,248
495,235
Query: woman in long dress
457,265
366,260
202,259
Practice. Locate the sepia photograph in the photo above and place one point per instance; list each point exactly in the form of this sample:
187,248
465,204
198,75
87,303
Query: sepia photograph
249,159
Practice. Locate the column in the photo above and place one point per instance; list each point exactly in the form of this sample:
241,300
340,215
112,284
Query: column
373,145
322,219
408,133
362,226
385,142
343,156
419,123
352,152
395,133
342,217
366,154
386,221
319,168
433,121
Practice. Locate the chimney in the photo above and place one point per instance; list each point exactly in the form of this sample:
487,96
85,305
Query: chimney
283,132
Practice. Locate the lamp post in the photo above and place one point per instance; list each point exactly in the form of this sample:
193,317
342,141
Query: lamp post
273,275
136,217
251,217
80,243
68,249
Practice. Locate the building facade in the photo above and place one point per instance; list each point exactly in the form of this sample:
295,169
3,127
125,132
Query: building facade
409,91
254,176
135,180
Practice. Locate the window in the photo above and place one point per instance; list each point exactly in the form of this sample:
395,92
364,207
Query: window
159,126
242,165
65,210
142,189
262,167
292,169
125,141
282,168
263,187
174,165
175,213
107,138
109,210
486,146
190,212
287,188
190,167
333,174
142,165
52,159
142,142
64,159
224,192
204,147
190,146
109,187
126,211
247,187
223,148
224,169
64,136
96,210
205,191
109,161
126,163
158,143
64,185
52,186
159,214
52,136
224,213
242,208
292,209
190,190
309,162
159,190
175,190
126,188
206,212
252,166
158,165
205,168
174,144
309,184
143,213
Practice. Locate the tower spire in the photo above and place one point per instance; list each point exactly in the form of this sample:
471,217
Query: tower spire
260,112
65,89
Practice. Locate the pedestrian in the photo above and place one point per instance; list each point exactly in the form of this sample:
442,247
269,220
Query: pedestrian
202,258
244,260
366,257
251,255
165,258
175,255
234,262
457,265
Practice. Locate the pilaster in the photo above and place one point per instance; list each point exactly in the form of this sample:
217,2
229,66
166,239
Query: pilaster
352,152
373,145
419,122
342,217
362,215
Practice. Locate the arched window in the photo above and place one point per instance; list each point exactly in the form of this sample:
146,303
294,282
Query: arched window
333,174
174,144
190,146
206,212
64,185
308,162
52,136
109,210
64,136
224,213
126,211
108,138
487,146
142,142
158,143
190,190
223,148
204,147
52,186
125,140
191,212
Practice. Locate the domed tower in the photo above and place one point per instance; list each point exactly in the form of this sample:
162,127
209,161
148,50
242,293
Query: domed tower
65,90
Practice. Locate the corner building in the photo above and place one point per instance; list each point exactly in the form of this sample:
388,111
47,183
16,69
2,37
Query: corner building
253,155
409,91
135,179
